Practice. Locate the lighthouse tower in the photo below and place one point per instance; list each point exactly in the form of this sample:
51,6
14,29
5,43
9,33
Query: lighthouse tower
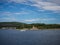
34,28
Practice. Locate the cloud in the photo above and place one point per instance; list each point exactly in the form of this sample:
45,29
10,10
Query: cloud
52,5
53,8
6,13
39,19
46,5
13,13
22,12
48,19
11,16
18,1
54,1
9,19
31,20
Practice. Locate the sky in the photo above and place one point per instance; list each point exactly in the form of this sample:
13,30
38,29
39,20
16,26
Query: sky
30,11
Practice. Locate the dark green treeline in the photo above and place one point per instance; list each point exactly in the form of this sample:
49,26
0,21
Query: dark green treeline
20,25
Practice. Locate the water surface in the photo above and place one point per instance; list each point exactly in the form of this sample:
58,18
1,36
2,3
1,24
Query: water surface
40,37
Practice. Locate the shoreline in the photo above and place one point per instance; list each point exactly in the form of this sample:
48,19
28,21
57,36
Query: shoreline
38,29
29,29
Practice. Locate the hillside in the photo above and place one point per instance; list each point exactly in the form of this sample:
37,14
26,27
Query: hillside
20,25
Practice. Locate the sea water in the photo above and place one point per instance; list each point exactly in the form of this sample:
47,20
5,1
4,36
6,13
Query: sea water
30,37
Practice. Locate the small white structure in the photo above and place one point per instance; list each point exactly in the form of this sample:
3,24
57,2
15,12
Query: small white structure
34,28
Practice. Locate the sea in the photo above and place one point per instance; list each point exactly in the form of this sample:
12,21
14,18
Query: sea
30,37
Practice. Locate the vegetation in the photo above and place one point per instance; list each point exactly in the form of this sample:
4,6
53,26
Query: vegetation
20,25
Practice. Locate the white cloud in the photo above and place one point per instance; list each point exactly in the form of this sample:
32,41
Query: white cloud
48,19
31,20
53,8
47,6
13,13
52,5
6,13
42,4
22,12
41,10
54,1
18,1
8,19
39,19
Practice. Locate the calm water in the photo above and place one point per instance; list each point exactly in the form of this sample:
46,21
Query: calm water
41,37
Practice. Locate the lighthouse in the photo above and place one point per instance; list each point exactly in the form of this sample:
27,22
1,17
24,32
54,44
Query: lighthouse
34,28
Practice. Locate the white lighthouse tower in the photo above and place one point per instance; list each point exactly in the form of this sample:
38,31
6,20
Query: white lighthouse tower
34,28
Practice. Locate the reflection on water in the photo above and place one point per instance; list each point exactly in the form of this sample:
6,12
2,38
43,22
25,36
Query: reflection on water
41,37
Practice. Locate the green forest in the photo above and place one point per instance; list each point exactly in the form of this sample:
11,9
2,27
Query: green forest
20,25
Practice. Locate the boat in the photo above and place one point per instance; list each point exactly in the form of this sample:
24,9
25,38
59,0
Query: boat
22,30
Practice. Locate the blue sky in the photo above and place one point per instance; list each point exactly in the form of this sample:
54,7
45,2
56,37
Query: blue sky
30,11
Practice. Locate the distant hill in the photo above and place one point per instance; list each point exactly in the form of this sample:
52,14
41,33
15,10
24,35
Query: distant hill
11,23
20,25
